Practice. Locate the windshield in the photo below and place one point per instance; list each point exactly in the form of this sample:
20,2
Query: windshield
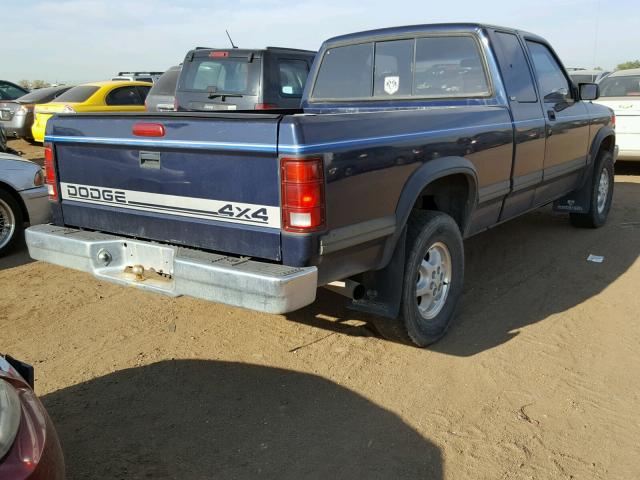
628,86
8,91
78,94
582,78
42,95
221,75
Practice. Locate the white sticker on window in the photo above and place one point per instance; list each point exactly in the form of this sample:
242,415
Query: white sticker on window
391,84
287,89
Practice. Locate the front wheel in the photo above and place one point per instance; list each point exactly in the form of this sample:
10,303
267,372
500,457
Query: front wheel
432,281
601,194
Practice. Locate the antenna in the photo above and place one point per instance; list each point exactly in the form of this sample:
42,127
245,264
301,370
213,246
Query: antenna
232,44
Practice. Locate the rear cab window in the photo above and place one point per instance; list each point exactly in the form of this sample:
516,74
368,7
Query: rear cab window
429,67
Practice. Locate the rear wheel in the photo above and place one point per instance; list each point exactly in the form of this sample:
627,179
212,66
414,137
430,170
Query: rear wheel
601,194
10,221
432,282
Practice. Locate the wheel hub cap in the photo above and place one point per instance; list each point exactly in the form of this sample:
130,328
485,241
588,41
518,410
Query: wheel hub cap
434,280
603,190
7,223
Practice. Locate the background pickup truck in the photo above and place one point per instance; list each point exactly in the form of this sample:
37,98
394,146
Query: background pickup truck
409,139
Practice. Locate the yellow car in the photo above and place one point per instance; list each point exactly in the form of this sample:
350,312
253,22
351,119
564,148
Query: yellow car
113,96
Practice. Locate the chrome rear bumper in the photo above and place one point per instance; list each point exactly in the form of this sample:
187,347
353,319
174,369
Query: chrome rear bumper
176,271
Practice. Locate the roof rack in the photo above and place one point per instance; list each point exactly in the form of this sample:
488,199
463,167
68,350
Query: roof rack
120,74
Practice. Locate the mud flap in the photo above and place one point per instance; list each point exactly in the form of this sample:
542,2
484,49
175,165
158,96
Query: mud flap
384,287
578,201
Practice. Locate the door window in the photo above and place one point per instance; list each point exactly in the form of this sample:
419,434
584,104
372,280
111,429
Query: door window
293,75
124,96
514,68
554,86
143,91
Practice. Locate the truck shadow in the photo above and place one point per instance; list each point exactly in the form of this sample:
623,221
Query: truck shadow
19,255
518,274
193,419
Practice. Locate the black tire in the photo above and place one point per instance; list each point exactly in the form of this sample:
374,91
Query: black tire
597,214
9,206
426,229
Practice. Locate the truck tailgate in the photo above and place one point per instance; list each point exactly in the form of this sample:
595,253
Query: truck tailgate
199,185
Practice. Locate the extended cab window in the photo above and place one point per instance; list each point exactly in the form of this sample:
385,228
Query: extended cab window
293,75
449,67
427,67
553,85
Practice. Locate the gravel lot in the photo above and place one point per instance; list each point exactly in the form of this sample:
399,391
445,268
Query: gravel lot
537,379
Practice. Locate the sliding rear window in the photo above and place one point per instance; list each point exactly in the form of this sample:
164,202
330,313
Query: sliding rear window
425,67
221,75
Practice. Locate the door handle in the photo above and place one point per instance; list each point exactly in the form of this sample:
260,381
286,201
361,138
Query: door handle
551,114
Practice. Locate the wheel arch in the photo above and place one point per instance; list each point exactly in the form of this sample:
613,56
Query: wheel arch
605,139
16,196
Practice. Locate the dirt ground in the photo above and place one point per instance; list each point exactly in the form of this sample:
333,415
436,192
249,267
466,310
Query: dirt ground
538,379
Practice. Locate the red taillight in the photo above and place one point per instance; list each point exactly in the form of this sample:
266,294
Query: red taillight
613,120
148,130
50,172
265,106
219,54
302,194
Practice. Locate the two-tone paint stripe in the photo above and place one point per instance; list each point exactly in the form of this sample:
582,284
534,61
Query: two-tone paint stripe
274,148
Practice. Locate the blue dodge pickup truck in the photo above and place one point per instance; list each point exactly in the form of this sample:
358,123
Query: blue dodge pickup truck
408,140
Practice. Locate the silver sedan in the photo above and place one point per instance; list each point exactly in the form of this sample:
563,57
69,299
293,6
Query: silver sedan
23,198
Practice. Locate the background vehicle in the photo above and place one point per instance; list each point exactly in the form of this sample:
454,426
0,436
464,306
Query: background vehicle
17,116
23,198
239,79
473,125
620,91
11,91
138,76
583,75
29,445
163,93
113,96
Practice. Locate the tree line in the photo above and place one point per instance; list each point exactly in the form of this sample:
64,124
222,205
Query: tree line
33,84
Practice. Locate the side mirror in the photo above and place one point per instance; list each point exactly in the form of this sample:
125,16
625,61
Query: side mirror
589,91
